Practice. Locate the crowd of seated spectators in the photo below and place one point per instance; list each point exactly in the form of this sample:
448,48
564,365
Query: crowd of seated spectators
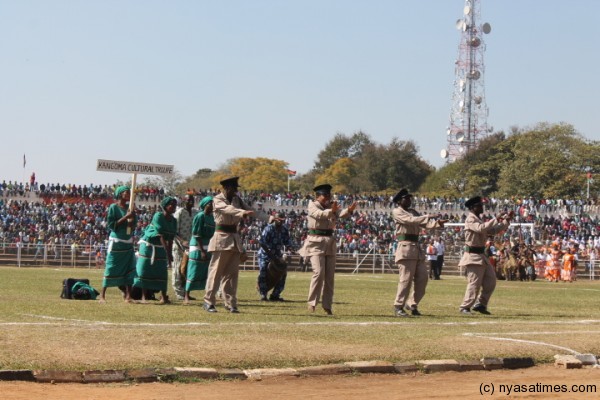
68,191
525,206
52,220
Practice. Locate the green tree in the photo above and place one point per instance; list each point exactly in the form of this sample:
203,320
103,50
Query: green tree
391,166
339,175
341,146
374,167
549,160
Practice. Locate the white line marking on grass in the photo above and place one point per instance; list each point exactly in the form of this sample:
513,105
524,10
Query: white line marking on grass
522,341
88,322
410,322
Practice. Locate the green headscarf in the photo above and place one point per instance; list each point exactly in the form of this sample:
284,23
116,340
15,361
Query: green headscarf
166,201
204,202
120,190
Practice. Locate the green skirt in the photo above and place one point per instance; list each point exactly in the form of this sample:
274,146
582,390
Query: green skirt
197,272
152,276
120,266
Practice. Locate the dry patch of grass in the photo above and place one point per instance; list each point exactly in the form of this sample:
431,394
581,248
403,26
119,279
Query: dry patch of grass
40,330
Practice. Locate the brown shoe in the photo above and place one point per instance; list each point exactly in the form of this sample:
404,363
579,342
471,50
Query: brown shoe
328,311
311,308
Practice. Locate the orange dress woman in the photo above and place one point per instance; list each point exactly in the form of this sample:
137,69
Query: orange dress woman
568,270
554,264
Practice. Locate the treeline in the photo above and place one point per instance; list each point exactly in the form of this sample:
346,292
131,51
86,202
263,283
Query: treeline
547,161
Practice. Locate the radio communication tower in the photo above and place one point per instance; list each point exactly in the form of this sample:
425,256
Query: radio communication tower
469,112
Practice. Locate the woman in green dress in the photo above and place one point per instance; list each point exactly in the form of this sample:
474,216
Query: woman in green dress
120,256
155,251
203,228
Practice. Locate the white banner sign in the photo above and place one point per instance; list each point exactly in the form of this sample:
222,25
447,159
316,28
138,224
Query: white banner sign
130,167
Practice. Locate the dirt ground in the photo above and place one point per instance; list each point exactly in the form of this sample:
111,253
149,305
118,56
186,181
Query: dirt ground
464,385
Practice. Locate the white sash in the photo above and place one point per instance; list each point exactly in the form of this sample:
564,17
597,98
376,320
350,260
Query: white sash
154,246
112,240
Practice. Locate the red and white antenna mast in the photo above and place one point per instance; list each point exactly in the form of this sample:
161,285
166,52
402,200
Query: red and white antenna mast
469,112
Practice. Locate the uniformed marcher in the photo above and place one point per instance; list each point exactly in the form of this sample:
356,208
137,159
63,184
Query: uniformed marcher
225,246
480,272
320,246
410,258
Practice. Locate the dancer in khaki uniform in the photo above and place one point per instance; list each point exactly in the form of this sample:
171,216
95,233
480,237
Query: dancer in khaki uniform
480,273
409,255
321,246
225,246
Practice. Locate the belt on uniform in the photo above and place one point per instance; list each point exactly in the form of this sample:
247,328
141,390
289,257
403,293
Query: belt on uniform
408,238
320,232
226,228
475,250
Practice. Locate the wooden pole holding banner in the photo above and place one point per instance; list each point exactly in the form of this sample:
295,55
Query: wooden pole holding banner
135,168
131,200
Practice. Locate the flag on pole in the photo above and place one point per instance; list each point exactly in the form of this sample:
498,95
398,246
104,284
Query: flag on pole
291,173
24,160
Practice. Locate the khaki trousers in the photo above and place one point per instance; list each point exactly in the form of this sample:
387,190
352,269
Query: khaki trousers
223,270
321,283
411,270
479,277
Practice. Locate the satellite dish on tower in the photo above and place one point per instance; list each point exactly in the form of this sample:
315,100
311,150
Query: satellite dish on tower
460,137
444,153
459,24
487,28
475,42
474,74
477,99
467,10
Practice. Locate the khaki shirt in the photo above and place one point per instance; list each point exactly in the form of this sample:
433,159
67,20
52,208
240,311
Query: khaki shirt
476,234
407,223
321,218
227,213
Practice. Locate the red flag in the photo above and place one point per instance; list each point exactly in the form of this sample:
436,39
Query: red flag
291,173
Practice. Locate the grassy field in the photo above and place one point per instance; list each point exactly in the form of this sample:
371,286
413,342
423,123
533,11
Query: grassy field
38,330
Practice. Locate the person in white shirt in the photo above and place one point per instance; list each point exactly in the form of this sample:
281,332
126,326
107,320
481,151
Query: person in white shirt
431,254
184,216
441,250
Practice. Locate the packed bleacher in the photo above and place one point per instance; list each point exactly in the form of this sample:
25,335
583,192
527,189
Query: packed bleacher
63,214
68,192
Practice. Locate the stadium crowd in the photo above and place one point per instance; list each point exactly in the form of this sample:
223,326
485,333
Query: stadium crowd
57,215
71,192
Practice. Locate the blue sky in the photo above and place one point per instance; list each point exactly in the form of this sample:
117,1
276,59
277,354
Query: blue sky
195,83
